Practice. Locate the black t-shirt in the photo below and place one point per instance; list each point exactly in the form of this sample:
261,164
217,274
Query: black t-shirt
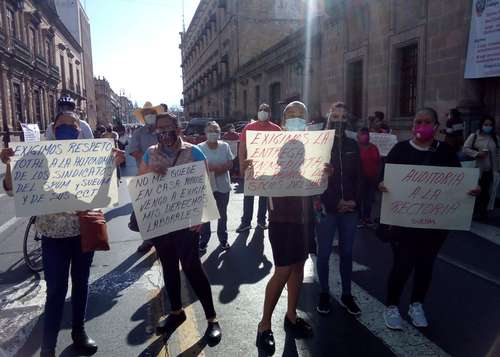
440,154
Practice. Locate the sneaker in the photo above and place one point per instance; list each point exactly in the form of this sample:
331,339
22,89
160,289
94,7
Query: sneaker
347,301
243,228
262,226
324,304
417,315
225,246
392,318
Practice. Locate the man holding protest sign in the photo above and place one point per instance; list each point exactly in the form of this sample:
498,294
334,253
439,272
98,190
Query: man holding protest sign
262,124
338,210
181,245
60,230
415,249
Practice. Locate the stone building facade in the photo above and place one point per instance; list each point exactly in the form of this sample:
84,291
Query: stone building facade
33,45
107,102
223,35
385,55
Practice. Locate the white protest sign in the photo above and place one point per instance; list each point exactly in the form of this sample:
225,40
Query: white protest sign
384,142
31,132
287,163
428,196
63,175
180,199
483,56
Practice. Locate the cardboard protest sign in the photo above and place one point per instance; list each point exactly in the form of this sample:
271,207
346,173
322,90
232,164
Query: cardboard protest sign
31,132
180,199
287,163
63,175
428,196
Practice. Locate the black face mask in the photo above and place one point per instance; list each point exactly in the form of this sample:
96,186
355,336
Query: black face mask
168,138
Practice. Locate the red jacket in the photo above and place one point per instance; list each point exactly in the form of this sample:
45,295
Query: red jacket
370,160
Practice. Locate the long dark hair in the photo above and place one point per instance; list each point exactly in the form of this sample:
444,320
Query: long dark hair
493,133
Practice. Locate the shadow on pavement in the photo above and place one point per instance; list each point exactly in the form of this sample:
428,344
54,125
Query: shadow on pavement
241,264
154,348
195,350
124,210
17,273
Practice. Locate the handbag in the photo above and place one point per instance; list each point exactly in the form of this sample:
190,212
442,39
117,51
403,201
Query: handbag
93,231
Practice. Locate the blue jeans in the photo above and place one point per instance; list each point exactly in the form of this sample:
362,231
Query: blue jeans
222,200
346,223
57,256
246,219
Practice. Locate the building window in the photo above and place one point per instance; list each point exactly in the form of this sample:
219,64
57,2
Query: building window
355,88
63,71
17,104
11,22
32,40
37,104
78,83
408,70
257,96
71,76
48,51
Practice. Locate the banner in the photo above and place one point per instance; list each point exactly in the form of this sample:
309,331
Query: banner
428,196
483,52
180,199
383,142
31,132
63,175
287,163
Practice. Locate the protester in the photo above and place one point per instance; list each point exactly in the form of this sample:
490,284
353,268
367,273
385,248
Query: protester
370,170
377,123
143,138
61,248
338,211
181,245
66,103
220,161
416,249
110,133
454,132
231,134
483,147
262,124
289,229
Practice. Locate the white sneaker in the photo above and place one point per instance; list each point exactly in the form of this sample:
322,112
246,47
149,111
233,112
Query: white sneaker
417,314
392,318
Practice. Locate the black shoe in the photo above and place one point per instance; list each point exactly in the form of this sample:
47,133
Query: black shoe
347,301
168,326
145,247
83,343
265,342
299,329
213,333
51,353
324,304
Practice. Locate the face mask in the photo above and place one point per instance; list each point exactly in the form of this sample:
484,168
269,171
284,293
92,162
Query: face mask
66,132
424,132
168,138
150,119
213,137
262,115
487,129
295,124
364,139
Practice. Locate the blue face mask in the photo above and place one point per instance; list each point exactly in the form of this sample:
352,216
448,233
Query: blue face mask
66,132
487,129
295,124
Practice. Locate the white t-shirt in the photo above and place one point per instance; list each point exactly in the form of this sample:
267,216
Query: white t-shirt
221,155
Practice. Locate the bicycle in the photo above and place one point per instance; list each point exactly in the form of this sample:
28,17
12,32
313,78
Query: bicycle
32,247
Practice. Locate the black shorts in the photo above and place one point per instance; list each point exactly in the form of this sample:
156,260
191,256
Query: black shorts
289,242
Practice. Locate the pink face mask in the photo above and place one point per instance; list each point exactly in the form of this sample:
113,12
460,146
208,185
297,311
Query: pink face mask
364,139
424,132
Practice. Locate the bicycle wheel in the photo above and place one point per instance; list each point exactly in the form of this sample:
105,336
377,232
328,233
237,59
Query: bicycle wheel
32,247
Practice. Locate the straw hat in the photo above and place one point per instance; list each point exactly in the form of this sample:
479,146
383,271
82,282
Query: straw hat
148,107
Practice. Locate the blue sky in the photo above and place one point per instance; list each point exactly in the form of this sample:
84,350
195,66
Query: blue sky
135,45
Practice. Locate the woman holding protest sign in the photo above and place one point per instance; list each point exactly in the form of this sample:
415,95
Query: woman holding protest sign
483,146
181,245
290,229
62,248
220,161
415,249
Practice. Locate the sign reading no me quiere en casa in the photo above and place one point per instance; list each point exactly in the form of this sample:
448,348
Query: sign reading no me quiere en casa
428,196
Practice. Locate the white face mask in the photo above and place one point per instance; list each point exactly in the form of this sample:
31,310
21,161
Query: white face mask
263,115
150,119
295,124
213,137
